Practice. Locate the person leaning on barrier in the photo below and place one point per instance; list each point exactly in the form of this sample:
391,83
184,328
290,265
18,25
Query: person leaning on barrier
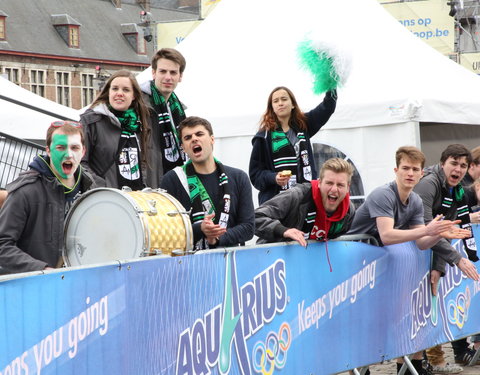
442,193
475,206
166,110
393,213
32,218
319,209
220,197
472,174
471,183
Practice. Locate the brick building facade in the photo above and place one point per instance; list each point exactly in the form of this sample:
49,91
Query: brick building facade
64,50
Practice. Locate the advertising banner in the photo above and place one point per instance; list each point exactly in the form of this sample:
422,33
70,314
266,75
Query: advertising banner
259,310
471,61
172,33
428,20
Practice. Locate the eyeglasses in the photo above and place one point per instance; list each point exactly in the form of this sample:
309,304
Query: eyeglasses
59,124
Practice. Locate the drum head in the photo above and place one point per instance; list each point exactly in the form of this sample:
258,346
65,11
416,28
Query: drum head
103,226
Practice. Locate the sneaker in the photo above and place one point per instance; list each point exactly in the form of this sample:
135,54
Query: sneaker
465,358
447,369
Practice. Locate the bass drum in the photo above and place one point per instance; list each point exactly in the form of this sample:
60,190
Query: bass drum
108,224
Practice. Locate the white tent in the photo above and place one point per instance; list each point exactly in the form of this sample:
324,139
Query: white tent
245,48
28,123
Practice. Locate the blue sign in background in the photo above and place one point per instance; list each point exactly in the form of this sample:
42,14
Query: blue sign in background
256,310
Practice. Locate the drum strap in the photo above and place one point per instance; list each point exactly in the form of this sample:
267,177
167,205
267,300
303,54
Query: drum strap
183,178
201,201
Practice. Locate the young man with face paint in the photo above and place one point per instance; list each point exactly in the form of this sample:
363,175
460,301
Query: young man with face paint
32,217
219,196
319,209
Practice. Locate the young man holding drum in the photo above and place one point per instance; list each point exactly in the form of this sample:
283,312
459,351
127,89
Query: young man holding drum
219,196
31,219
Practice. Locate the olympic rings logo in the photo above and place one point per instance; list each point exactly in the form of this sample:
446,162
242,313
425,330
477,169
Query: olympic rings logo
272,353
458,309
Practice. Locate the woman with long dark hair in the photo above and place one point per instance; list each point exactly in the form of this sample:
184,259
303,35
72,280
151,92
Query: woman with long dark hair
117,134
282,154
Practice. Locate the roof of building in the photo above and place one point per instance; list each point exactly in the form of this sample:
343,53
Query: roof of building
30,28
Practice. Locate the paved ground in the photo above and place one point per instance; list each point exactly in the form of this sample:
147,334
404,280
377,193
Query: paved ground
390,368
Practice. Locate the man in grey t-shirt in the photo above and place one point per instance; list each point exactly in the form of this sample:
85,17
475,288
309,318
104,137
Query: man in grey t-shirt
393,213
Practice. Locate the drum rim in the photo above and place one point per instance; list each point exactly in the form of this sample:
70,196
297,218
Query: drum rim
82,197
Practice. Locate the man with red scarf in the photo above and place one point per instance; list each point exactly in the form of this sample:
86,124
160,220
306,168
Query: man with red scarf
319,209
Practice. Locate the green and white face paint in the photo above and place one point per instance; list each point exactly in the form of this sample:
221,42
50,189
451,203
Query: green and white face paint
66,152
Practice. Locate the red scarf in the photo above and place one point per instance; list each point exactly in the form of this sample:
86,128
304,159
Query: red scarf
322,222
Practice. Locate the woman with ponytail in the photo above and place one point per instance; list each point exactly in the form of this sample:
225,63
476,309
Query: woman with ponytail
117,134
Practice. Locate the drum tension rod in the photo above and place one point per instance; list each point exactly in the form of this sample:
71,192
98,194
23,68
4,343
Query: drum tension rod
174,213
152,211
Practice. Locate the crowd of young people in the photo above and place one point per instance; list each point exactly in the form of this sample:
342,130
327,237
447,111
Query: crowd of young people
140,136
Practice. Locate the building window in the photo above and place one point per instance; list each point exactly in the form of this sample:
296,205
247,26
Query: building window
88,92
3,29
63,88
13,75
68,28
37,82
73,37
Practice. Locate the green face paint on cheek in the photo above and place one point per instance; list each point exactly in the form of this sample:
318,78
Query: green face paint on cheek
58,152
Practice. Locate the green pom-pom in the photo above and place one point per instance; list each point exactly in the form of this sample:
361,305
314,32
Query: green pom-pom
321,66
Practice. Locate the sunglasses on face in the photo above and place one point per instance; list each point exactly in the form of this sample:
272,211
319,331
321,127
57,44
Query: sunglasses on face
59,124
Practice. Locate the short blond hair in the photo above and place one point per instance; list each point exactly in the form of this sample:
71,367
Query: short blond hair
337,165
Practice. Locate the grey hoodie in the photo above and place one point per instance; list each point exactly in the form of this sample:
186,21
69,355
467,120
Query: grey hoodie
430,190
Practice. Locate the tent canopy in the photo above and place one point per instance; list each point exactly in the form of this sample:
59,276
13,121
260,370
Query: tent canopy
246,48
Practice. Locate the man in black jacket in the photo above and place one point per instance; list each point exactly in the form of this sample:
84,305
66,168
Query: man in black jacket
319,209
219,196
32,217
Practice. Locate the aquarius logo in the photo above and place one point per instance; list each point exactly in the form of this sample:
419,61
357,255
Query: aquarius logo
424,306
458,309
272,353
244,311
